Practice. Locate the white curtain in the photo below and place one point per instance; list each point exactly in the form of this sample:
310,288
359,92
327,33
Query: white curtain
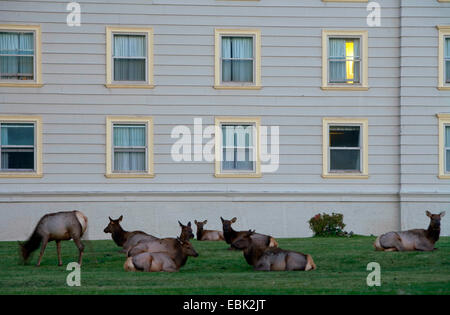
20,47
237,59
238,147
129,57
447,60
338,60
128,157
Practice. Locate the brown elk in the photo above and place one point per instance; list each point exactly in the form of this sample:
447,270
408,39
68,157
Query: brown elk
161,261
124,238
265,258
59,226
207,235
417,239
186,231
230,234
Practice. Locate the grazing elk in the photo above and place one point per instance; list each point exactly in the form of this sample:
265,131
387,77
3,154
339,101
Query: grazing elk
59,226
265,258
161,261
186,231
230,234
124,238
417,239
207,235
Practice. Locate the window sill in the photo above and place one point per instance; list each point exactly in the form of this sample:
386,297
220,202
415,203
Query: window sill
20,175
129,86
225,175
13,84
131,175
346,176
237,87
446,176
444,88
345,88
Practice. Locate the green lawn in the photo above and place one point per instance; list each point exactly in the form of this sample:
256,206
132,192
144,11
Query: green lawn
341,269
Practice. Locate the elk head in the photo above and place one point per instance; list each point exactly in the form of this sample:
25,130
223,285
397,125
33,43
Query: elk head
187,248
113,225
186,231
226,224
435,219
243,241
200,224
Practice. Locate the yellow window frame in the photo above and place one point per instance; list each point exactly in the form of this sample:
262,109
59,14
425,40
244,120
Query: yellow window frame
444,121
37,121
444,31
364,123
110,121
364,48
256,34
37,82
110,31
256,121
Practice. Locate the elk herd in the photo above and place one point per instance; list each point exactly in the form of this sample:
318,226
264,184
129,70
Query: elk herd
145,252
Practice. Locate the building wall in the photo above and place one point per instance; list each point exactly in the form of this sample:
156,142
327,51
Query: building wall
74,103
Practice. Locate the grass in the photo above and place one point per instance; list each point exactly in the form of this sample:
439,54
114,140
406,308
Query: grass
341,269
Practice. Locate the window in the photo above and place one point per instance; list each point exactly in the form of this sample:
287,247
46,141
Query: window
444,146
129,62
344,60
129,147
20,147
444,58
237,147
238,64
345,148
20,55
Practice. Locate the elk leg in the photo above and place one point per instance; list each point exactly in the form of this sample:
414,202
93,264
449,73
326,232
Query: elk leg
80,248
43,246
58,251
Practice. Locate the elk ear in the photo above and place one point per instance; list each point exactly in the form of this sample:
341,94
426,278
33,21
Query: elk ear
442,214
120,218
195,221
181,224
204,222
428,213
110,219
222,219
189,224
233,220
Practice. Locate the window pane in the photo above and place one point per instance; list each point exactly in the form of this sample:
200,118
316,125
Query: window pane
238,147
447,71
129,69
12,159
344,65
17,134
344,160
15,43
20,63
447,136
234,48
447,164
337,72
129,46
238,159
344,136
129,136
129,161
237,135
16,67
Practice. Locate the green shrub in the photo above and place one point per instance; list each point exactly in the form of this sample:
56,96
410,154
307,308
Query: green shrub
328,225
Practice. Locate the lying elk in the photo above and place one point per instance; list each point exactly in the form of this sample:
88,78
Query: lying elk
231,235
417,239
186,231
161,261
265,258
59,226
124,238
207,235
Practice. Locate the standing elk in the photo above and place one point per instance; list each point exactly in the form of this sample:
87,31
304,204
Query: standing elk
186,231
161,261
230,234
207,235
417,239
265,258
124,238
59,226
